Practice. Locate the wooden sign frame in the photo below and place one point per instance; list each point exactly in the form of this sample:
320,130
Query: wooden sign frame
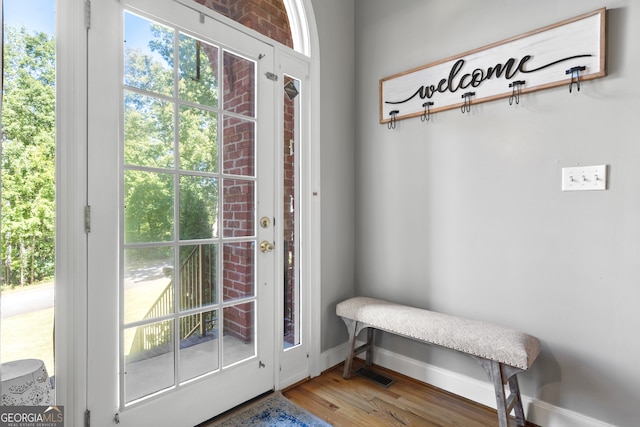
540,59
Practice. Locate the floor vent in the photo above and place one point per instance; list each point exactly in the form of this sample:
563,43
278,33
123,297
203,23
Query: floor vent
374,377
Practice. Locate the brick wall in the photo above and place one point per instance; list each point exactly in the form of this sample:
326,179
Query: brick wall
269,18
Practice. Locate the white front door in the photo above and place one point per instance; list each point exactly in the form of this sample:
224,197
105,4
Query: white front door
181,171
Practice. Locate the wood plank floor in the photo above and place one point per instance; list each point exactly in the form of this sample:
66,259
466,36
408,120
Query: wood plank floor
407,402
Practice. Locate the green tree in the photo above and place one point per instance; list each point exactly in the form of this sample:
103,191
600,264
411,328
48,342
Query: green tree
149,124
28,159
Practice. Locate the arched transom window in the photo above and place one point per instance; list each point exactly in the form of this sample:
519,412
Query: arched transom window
275,19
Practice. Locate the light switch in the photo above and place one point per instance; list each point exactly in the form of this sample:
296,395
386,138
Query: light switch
582,178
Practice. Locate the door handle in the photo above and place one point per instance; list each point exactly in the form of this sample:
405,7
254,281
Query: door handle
266,246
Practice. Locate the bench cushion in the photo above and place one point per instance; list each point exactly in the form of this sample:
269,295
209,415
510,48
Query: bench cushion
469,336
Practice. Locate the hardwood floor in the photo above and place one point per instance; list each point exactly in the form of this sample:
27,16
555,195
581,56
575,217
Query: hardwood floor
407,402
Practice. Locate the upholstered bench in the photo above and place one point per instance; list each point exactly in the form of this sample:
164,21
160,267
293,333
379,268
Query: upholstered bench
502,352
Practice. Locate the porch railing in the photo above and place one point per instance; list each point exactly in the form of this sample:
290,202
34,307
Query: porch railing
197,289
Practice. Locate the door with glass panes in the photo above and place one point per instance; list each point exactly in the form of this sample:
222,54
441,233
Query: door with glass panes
180,165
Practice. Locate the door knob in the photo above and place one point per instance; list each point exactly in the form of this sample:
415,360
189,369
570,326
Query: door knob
266,246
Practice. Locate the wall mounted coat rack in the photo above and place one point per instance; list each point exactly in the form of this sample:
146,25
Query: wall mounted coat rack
566,53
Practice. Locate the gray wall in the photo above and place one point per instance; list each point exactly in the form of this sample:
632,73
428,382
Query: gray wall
465,215
335,22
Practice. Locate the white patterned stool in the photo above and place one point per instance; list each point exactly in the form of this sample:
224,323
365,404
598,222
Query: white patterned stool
25,383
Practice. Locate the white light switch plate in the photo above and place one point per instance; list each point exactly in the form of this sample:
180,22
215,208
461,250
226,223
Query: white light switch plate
582,178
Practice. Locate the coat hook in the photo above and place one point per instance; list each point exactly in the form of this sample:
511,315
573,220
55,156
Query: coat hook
515,93
392,122
427,113
466,106
575,73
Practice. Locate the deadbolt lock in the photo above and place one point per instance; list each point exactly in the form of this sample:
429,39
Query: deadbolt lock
266,246
265,222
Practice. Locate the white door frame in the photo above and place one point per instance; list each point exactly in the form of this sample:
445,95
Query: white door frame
71,197
231,384
71,134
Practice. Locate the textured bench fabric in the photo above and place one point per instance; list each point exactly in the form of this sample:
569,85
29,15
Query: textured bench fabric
480,339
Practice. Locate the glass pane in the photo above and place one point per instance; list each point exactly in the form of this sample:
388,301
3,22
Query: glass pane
148,207
239,208
198,71
239,84
238,270
198,207
239,333
199,344
291,285
28,217
238,156
148,131
148,55
198,140
149,359
197,276
148,283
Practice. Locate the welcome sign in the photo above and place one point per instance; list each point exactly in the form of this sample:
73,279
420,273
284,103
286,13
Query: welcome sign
537,60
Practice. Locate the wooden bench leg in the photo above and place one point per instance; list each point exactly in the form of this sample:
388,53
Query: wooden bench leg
354,329
501,398
348,361
515,391
369,346
500,375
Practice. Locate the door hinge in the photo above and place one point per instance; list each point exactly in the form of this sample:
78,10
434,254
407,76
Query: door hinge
87,14
87,219
271,76
87,418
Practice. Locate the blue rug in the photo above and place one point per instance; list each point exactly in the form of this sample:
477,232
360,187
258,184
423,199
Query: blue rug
273,410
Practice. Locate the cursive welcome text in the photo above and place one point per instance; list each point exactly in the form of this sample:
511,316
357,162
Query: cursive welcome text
455,81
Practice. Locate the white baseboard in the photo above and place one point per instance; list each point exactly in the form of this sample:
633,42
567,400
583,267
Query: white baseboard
332,357
537,412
